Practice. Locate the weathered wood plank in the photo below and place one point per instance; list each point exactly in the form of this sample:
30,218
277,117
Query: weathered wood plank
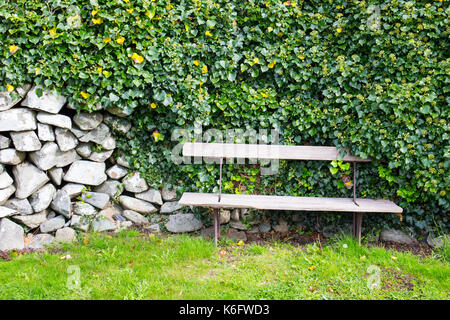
261,151
263,202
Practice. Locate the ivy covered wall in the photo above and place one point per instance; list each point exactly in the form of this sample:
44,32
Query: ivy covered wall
368,76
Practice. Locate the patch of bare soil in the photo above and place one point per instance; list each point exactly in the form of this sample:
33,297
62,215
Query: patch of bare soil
7,255
296,239
421,249
4,255
291,237
394,280
145,231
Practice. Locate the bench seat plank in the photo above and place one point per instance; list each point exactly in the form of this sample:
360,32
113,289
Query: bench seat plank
264,202
264,151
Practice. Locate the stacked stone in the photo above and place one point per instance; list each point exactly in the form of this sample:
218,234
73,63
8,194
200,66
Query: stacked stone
243,221
58,175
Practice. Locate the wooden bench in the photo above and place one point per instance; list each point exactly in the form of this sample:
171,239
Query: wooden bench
358,206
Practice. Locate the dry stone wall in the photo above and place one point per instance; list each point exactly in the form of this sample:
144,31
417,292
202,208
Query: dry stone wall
58,175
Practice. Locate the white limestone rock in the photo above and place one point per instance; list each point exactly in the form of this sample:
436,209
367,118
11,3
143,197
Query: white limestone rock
41,241
65,139
396,236
78,132
84,149
122,225
88,121
4,142
61,203
79,223
224,216
117,111
97,199
45,158
65,235
7,100
51,156
137,205
123,162
5,180
57,120
32,221
45,132
17,119
100,225
178,223
11,157
101,156
11,235
49,101
169,207
111,210
56,174
116,172
51,215
22,206
168,195
28,179
113,188
134,183
6,212
41,199
84,209
6,193
52,224
238,225
109,143
135,217
152,195
98,135
26,141
86,172
73,189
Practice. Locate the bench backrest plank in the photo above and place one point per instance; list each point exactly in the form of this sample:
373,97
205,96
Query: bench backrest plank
263,151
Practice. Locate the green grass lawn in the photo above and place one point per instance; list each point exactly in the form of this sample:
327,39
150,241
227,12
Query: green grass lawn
131,265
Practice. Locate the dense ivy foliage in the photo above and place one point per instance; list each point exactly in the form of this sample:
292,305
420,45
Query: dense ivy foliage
369,76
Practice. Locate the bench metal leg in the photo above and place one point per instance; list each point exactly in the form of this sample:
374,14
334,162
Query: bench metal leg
357,225
354,225
216,225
